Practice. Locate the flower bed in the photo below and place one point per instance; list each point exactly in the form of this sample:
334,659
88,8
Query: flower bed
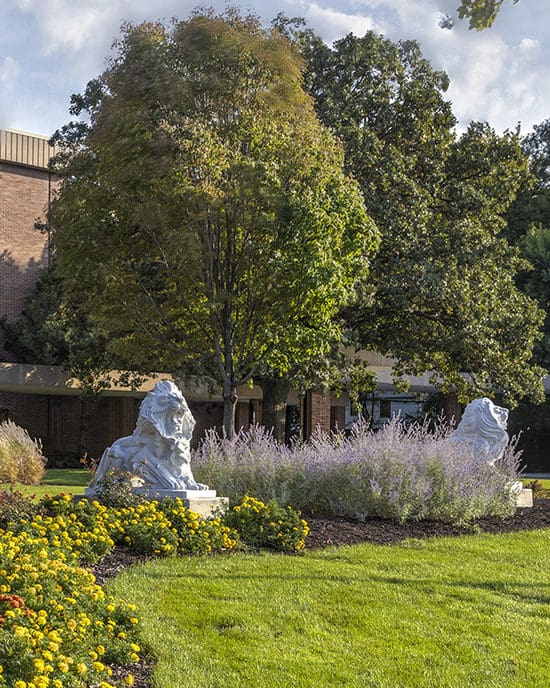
58,628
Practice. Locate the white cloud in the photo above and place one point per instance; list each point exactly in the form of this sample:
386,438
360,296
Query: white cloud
53,48
334,24
529,44
9,72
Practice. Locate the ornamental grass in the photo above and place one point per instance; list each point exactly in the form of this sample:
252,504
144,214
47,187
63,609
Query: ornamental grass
21,458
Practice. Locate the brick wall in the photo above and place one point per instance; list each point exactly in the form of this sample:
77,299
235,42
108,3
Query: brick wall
24,194
66,427
317,413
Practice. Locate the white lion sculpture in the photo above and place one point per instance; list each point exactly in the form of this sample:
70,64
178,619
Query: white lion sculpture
157,454
483,427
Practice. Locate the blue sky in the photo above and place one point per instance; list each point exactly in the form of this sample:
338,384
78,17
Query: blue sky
49,50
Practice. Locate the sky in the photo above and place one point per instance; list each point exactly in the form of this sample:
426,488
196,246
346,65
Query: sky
51,49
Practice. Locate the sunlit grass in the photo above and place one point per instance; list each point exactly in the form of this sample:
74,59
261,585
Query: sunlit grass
444,613
55,480
545,482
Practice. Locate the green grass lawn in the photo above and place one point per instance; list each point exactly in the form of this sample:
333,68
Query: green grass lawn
545,482
462,612
469,612
55,480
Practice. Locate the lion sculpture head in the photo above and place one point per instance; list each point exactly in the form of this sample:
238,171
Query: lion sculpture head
483,427
165,411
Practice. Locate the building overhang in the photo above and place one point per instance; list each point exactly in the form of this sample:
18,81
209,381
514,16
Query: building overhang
22,378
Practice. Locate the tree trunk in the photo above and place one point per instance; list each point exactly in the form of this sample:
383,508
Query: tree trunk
275,395
230,399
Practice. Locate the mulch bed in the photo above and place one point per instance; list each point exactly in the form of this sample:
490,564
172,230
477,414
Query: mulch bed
326,531
342,531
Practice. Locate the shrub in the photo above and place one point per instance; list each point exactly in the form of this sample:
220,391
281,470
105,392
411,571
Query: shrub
252,462
114,489
400,472
143,528
267,525
15,506
196,535
21,458
539,491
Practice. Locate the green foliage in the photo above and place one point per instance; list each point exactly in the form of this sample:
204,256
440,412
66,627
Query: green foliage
441,294
21,458
57,627
196,535
480,13
204,220
167,527
114,490
529,229
53,331
539,491
15,506
267,525
144,529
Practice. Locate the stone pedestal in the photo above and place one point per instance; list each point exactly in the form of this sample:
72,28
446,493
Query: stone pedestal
524,495
202,502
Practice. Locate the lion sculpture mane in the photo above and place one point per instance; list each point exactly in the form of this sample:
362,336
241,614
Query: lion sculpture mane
158,453
483,427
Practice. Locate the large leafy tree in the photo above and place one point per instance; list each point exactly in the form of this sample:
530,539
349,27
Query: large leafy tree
529,228
204,220
444,293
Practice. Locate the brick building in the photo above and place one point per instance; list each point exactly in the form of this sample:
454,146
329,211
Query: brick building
42,399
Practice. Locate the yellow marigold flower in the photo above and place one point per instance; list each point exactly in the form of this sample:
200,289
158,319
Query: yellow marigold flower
40,682
63,667
93,655
133,620
20,684
98,666
81,668
129,680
